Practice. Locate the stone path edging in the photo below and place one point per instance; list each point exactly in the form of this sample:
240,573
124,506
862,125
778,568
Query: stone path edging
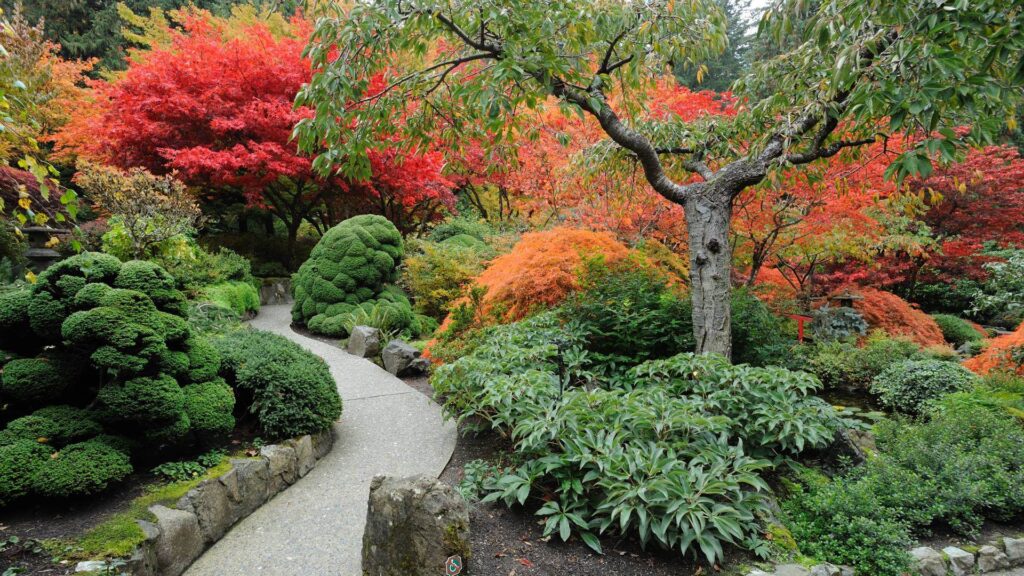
315,527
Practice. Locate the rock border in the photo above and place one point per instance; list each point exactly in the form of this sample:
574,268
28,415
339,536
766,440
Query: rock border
1002,554
203,515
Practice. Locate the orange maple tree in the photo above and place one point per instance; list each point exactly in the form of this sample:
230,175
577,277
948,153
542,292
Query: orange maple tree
1003,353
897,317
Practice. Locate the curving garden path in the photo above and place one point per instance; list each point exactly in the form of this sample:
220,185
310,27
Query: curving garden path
315,527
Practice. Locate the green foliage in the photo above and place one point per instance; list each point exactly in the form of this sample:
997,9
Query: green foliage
19,462
188,470
54,425
842,323
758,336
33,380
354,264
461,227
145,399
437,273
14,326
628,314
843,522
908,386
81,469
240,297
1001,298
846,365
54,291
676,443
289,390
209,408
955,330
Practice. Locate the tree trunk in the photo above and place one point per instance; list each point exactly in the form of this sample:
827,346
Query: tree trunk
707,219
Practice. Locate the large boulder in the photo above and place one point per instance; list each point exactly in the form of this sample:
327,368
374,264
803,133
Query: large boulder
961,562
413,525
364,341
991,559
209,502
399,357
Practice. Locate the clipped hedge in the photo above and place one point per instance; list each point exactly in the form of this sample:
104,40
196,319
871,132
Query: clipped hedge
288,389
353,265
103,353
240,297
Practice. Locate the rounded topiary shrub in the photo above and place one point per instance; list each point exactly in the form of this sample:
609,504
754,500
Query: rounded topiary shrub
19,462
80,469
353,264
288,389
908,386
108,355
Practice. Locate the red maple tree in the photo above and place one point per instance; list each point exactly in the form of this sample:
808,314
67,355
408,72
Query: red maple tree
215,105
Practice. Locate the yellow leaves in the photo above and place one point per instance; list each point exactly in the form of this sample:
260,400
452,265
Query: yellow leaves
1011,121
25,203
30,277
52,242
701,71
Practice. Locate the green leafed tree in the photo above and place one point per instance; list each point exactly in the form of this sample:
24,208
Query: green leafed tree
861,70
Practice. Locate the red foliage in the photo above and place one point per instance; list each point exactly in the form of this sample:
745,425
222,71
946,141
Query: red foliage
998,354
541,270
217,107
888,312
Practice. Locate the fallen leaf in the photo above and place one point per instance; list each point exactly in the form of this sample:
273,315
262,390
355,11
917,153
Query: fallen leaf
526,562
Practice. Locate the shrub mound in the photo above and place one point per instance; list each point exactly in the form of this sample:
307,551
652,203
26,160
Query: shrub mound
541,270
289,389
956,330
908,386
888,312
1005,353
106,353
353,266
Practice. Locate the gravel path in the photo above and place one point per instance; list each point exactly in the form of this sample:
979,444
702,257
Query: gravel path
315,527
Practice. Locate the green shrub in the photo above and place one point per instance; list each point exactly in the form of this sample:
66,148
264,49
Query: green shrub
153,281
628,314
973,458
847,365
956,331
843,522
203,358
143,399
461,227
758,336
19,462
14,324
1001,299
55,289
193,267
241,297
353,264
632,459
910,385
80,470
33,380
70,424
209,407
436,274
288,389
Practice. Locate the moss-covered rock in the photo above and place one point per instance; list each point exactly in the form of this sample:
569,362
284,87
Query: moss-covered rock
352,265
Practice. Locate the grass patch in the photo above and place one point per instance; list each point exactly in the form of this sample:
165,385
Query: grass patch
119,535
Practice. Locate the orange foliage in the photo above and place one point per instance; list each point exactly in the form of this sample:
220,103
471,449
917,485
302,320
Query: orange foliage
541,270
889,312
997,355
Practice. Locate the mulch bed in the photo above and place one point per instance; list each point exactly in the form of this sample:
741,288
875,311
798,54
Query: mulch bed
510,542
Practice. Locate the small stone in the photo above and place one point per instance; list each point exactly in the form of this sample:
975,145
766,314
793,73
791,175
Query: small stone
210,503
991,559
825,569
960,561
928,562
284,469
180,541
413,525
1014,548
303,447
791,570
419,366
252,477
846,571
91,566
364,341
398,357
756,572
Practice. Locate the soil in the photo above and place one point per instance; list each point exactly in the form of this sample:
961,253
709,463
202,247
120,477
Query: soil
510,542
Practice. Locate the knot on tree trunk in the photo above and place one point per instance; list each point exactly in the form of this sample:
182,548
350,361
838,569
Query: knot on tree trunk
714,246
